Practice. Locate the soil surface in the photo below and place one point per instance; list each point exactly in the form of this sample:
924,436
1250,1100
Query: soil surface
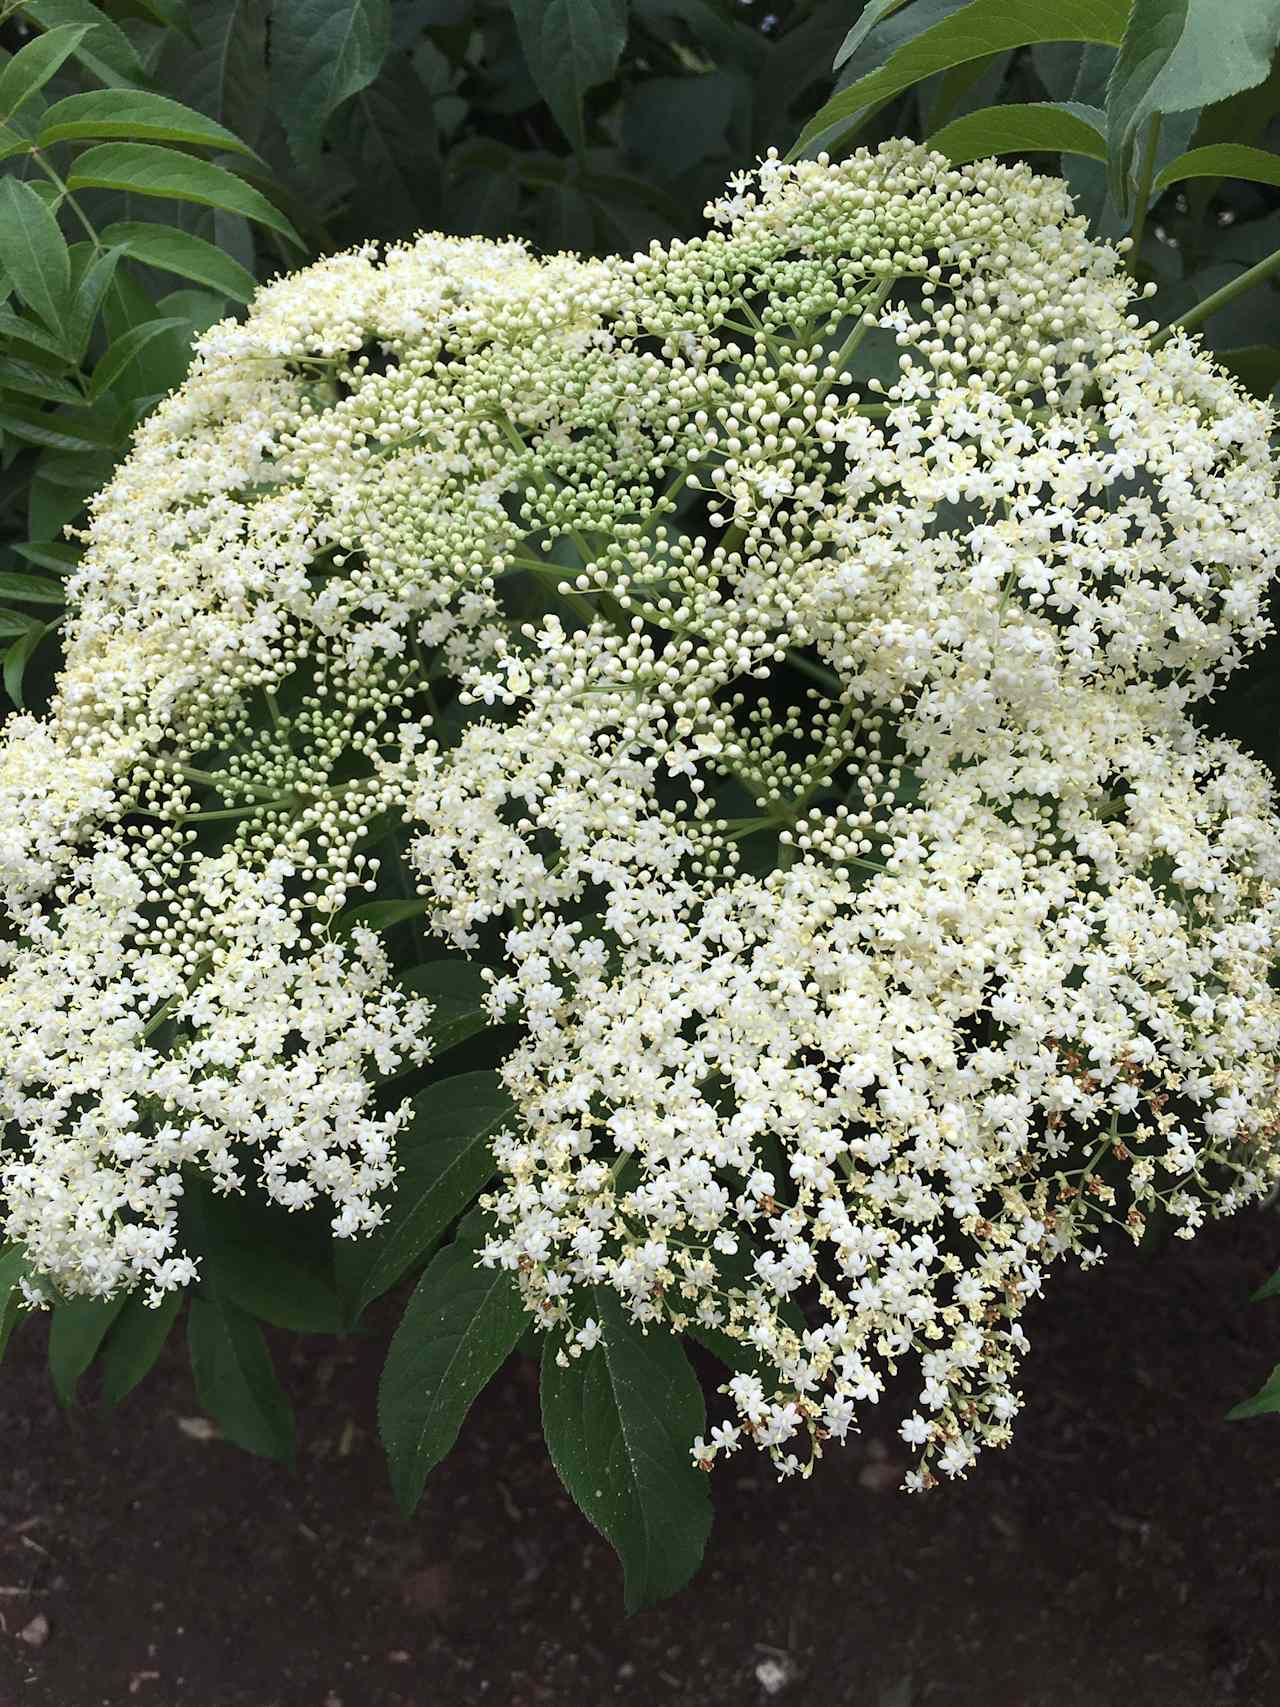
1122,1553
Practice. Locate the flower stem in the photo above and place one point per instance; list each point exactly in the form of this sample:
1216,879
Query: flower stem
1188,322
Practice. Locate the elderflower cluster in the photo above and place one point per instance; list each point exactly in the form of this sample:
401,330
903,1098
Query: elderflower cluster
775,657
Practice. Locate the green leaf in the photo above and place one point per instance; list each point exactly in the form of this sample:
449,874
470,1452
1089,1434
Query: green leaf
191,257
674,123
570,46
76,471
224,71
1257,367
1269,1288
261,1258
457,988
120,355
76,432
980,28
13,1268
163,363
1177,56
145,169
77,1330
1051,127
391,140
33,251
235,1380
1264,1402
445,1158
135,1342
50,554
1222,160
379,915
455,1334
21,328
13,623
87,301
619,1422
870,16
35,63
18,657
29,380
133,115
322,53
30,589
105,49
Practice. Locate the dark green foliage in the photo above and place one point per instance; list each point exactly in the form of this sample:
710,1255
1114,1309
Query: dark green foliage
158,159
235,1380
456,1333
619,1423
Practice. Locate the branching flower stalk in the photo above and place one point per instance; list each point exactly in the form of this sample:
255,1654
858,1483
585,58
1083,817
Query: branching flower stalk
815,742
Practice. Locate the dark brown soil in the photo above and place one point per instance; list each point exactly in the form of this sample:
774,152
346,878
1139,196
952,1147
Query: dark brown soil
1123,1553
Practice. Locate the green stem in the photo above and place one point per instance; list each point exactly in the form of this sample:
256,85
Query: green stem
66,196
225,784
563,578
1264,269
859,332
1145,176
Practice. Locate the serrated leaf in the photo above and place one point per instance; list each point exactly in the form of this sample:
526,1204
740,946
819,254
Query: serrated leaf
224,72
675,123
35,63
78,1328
22,329
133,115
392,141
235,1380
322,53
87,300
457,990
61,431
33,251
163,364
980,28
445,1158
570,46
181,252
1222,160
30,589
1266,1401
146,169
29,380
105,49
1053,127
872,14
77,471
135,1342
124,350
457,1331
619,1422
1178,56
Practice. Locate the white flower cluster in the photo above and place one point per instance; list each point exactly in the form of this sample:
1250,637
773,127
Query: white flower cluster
805,738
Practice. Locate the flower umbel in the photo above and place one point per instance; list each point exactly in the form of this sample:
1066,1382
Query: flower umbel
775,657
